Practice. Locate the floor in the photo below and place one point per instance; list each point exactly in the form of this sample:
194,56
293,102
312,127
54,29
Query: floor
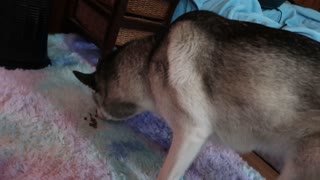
260,165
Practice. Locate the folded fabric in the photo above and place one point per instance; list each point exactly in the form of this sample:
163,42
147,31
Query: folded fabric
290,17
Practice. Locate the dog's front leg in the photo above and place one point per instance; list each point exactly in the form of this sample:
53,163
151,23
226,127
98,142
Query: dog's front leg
185,147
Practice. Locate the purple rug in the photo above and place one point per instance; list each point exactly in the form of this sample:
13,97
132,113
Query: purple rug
45,132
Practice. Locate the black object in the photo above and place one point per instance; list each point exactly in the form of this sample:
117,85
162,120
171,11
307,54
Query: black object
271,4
24,33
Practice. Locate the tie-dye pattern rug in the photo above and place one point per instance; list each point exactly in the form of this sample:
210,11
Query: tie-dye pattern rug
45,131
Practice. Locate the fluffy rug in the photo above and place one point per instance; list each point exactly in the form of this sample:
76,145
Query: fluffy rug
45,130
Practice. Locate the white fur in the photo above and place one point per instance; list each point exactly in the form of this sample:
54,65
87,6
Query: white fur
190,121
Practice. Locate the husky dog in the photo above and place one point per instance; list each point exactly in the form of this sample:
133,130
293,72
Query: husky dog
240,84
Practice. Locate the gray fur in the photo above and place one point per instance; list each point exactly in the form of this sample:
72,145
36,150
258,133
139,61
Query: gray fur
261,87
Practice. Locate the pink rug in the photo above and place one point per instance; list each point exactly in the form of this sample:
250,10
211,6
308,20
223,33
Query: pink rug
44,134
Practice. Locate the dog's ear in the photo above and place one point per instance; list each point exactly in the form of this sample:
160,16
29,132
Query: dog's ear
87,79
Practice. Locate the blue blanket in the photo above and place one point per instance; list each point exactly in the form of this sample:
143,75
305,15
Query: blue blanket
291,17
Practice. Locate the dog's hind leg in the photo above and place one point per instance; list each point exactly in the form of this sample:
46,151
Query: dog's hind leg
303,163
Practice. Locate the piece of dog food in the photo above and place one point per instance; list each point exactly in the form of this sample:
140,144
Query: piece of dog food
93,122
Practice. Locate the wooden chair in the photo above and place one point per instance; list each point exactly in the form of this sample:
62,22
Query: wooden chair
110,23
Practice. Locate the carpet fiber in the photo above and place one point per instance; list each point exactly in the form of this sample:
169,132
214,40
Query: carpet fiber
45,131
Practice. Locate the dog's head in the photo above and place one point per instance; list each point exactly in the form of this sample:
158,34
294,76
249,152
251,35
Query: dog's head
119,84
